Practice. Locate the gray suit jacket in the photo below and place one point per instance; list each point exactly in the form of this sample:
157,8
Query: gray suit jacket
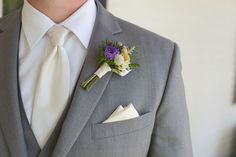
156,90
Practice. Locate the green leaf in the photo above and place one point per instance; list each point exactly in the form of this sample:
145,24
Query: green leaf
134,66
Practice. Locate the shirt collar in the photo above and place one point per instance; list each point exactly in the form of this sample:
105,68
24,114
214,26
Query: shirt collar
35,24
82,21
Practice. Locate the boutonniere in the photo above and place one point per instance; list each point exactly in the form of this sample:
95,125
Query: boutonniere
114,57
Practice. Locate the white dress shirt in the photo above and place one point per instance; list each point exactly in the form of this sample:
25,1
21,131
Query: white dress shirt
34,44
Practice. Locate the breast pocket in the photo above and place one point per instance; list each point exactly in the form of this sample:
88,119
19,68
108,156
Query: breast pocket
106,130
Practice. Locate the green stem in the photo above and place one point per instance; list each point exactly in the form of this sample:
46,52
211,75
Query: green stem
89,83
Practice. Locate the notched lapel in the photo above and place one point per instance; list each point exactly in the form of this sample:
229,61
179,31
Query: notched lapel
10,119
83,102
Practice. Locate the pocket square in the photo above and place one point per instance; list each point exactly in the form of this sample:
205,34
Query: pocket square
122,113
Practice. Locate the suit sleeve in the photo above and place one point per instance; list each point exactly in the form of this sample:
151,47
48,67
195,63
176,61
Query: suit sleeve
171,133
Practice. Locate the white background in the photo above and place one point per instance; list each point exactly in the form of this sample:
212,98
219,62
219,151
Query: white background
206,33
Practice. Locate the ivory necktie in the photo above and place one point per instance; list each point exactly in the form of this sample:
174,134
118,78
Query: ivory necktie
52,92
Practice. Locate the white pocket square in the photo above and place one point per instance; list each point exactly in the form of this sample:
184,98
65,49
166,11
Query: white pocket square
122,113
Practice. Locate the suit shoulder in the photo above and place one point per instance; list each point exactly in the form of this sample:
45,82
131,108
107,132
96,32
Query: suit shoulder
144,34
2,19
156,50
11,17
158,46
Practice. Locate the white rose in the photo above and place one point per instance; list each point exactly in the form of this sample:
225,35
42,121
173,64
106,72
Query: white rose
119,60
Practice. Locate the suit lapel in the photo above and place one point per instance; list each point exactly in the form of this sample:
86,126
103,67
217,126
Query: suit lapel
10,119
83,102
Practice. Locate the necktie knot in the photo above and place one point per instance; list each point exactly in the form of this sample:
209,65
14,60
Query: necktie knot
57,35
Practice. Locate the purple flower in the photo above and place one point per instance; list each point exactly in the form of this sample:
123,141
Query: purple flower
111,52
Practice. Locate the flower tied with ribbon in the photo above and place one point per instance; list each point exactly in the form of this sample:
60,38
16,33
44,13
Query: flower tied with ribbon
114,57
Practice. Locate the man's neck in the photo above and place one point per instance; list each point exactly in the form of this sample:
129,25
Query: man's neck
57,10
